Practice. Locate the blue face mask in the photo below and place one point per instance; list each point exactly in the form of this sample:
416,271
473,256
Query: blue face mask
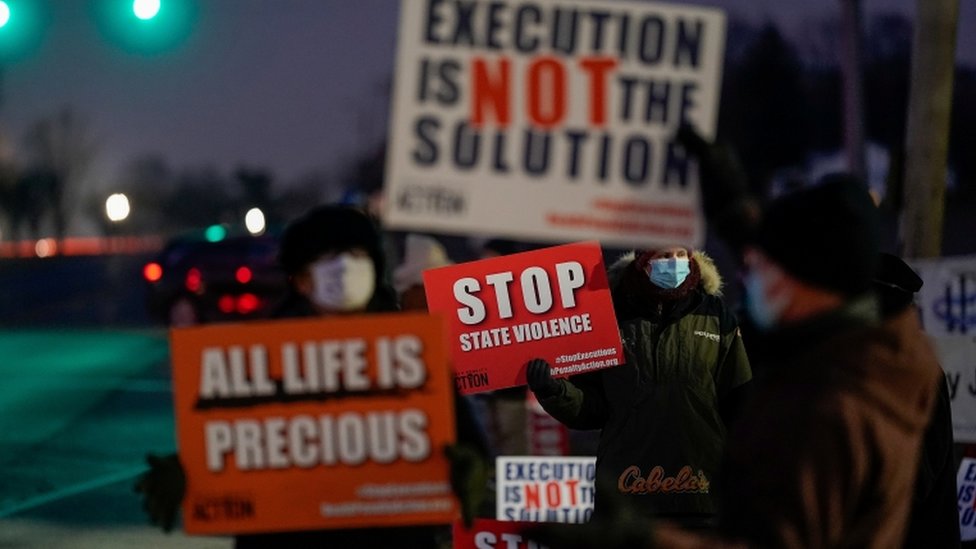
669,273
765,314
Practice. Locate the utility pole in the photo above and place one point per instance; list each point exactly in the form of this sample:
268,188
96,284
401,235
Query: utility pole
927,130
853,86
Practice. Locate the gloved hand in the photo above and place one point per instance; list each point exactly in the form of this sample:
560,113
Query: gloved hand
539,377
469,479
727,199
162,487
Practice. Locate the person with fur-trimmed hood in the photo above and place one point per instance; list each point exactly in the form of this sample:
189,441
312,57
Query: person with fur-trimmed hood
664,414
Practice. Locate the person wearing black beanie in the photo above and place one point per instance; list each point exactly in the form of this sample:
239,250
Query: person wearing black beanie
827,453
335,264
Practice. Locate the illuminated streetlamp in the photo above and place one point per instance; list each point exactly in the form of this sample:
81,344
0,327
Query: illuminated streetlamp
117,207
254,221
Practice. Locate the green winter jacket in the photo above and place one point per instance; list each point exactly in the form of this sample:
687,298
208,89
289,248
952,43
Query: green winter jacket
663,431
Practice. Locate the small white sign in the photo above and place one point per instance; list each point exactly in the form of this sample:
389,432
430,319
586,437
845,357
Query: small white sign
545,489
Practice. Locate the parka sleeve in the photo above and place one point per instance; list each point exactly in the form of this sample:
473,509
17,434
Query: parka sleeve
733,375
580,402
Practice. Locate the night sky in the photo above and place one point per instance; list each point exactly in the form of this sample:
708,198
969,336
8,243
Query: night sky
292,85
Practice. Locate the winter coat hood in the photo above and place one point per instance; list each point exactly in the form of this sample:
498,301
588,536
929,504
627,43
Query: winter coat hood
711,280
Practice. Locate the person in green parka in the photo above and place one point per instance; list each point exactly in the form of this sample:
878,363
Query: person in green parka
663,414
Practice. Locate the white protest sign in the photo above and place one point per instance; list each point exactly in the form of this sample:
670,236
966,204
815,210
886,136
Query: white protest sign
958,360
948,295
545,489
551,120
966,486
947,304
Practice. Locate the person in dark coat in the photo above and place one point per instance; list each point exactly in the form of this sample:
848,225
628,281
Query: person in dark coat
336,266
664,414
934,519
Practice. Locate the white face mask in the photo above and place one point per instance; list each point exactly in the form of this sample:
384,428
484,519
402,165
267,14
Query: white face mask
342,283
764,310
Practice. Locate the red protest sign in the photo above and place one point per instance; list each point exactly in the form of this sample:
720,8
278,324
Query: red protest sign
487,533
552,303
314,424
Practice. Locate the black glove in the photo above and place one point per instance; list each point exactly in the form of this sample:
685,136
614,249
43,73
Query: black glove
162,487
727,199
469,479
540,378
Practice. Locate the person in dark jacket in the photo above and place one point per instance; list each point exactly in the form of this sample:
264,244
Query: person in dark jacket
335,263
665,412
826,454
934,519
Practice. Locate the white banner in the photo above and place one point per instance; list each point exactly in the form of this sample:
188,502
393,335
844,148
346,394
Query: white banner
957,356
551,120
948,296
545,489
966,486
947,302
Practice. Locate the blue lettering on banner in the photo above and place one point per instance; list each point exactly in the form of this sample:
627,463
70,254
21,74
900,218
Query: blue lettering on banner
957,308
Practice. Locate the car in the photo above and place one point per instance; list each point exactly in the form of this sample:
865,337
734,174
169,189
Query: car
195,280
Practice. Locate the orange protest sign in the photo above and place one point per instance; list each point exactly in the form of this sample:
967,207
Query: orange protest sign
314,424
552,303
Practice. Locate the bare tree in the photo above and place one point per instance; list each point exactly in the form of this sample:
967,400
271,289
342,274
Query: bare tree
60,150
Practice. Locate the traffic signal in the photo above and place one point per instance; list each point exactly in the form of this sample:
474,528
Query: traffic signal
146,9
22,27
147,27
4,14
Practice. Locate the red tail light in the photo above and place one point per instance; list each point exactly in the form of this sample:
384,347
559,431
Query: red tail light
194,280
248,303
152,272
226,304
243,275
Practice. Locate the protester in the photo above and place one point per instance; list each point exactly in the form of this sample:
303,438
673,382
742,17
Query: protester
827,452
506,409
335,264
420,253
664,414
934,519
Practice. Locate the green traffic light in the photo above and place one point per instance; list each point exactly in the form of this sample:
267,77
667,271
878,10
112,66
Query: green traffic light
215,233
145,9
4,14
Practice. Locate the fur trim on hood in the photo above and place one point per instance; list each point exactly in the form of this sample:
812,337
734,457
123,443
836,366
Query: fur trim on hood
711,280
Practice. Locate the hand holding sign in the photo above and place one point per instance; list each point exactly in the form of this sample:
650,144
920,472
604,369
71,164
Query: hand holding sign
540,378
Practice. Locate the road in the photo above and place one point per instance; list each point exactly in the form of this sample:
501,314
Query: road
84,395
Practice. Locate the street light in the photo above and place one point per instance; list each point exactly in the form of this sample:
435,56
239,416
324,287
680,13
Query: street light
117,207
254,221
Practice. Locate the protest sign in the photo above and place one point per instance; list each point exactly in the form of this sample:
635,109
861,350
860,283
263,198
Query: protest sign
552,303
545,488
947,305
966,486
314,424
547,435
552,121
948,295
492,534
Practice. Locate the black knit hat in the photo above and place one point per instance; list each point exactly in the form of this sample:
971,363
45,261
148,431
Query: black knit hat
895,283
827,235
329,229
